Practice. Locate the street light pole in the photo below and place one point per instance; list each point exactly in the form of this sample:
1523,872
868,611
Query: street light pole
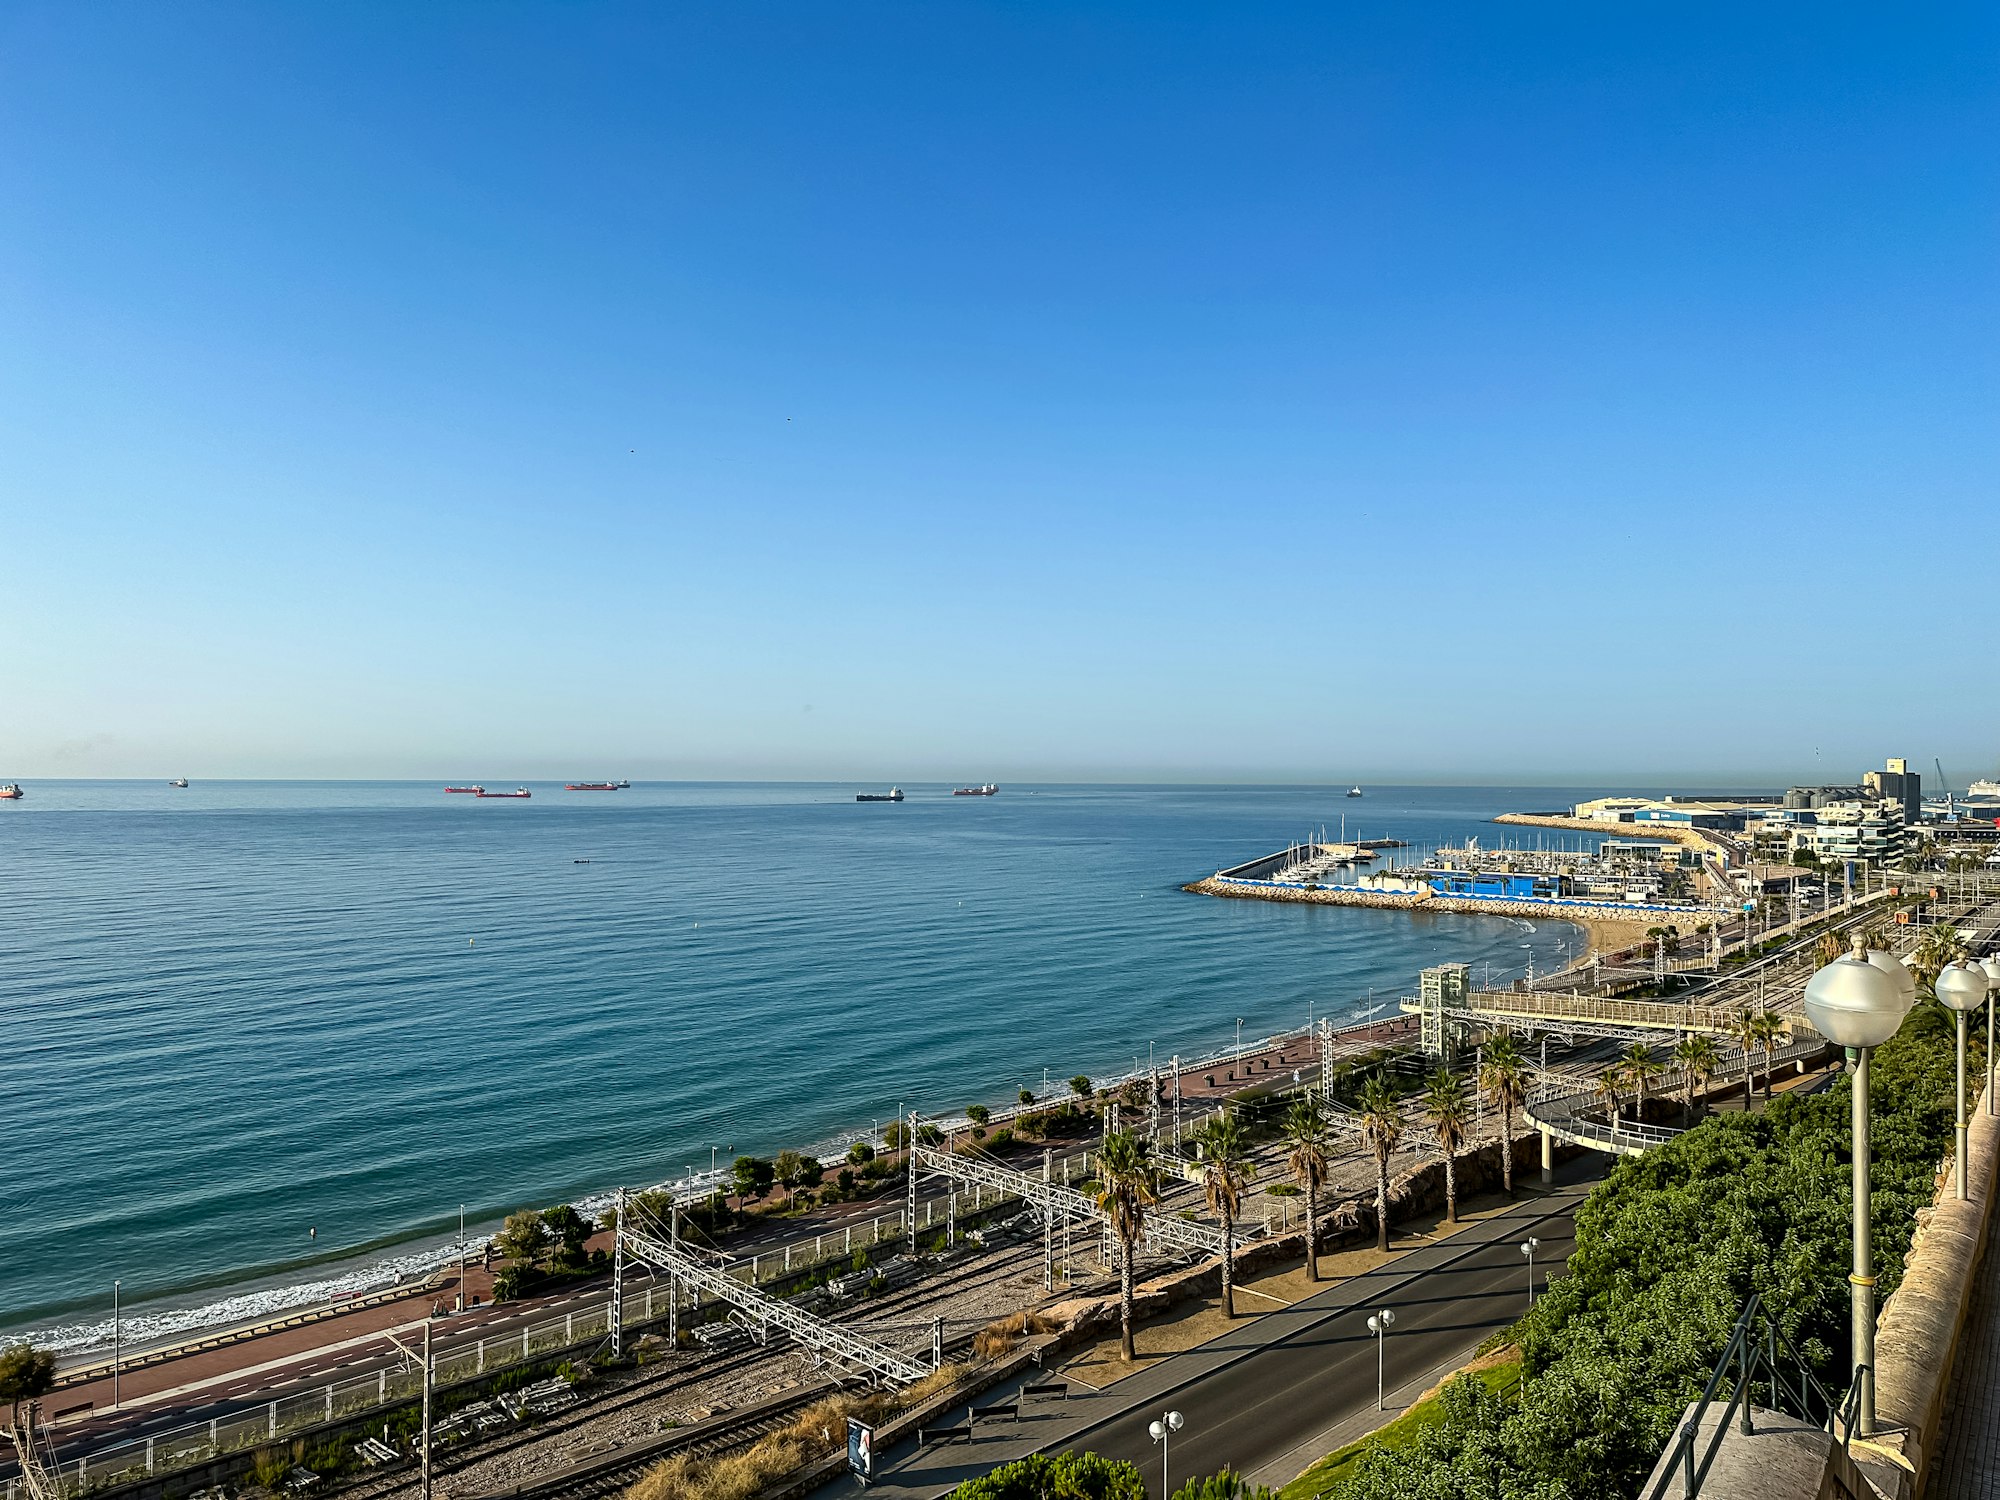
1239,1044
1378,1324
1855,1003
1961,986
1991,964
117,1345
461,1257
1162,1432
1528,1248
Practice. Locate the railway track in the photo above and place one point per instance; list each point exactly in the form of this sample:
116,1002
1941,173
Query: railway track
609,1472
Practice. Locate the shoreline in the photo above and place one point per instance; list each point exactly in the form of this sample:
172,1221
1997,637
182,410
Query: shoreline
404,1268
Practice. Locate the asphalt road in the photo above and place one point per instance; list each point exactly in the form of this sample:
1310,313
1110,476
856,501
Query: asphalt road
1269,1415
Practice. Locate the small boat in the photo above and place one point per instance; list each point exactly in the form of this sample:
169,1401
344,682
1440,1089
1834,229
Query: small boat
178,781
977,791
11,792
471,791
518,793
894,794
595,786
1354,791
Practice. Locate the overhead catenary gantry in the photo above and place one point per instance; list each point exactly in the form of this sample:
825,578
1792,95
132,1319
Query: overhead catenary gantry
682,1266
1055,1202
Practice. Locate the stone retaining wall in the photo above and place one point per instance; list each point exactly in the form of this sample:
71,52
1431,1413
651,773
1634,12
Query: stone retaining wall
1916,1339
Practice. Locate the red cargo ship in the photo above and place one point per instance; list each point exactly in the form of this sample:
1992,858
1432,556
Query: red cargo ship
517,792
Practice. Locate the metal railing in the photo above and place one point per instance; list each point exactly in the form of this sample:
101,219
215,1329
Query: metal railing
1754,1357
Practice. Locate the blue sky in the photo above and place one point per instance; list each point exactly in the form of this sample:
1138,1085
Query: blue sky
892,391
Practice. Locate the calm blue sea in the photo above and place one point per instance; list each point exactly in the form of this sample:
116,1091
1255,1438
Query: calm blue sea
239,1013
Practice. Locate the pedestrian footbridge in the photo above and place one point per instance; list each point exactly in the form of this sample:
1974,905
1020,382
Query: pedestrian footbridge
1572,1109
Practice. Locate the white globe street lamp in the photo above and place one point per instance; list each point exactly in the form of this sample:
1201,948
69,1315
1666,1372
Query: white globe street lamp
1991,964
1378,1324
1161,1431
1857,1005
1961,987
1528,1248
1896,969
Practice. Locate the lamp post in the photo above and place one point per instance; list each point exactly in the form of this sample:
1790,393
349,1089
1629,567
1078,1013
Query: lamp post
1528,1248
460,1299
1855,1003
1239,1044
1378,1324
1961,987
1991,964
117,1345
1162,1432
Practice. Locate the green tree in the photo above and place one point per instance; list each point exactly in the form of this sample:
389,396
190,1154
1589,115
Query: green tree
26,1374
571,1231
753,1175
1305,1132
651,1210
1224,1154
1446,1112
979,1114
1611,1087
785,1171
1640,1068
860,1153
1742,1030
1504,1079
1770,1027
1129,1184
523,1237
1057,1476
1697,1057
896,1135
1381,1121
1226,1485
1081,1086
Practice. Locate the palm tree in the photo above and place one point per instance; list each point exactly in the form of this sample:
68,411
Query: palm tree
1697,1057
1382,1131
1609,1082
1445,1111
1640,1066
1770,1026
1742,1030
1224,1153
1305,1132
1129,1183
1504,1078
1941,944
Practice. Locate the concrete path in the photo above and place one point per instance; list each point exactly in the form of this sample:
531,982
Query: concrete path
1275,1392
1967,1466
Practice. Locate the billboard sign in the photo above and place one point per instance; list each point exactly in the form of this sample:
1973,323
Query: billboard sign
860,1450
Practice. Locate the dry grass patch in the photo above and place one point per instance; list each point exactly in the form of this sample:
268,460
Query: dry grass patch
816,1432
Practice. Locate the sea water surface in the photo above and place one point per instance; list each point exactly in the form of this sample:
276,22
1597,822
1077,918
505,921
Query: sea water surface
259,1041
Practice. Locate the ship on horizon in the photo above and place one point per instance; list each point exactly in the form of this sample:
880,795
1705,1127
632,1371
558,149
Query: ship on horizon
595,786
517,793
11,792
474,791
894,794
986,790
180,781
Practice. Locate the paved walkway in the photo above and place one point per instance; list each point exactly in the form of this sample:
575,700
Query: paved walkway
1968,1463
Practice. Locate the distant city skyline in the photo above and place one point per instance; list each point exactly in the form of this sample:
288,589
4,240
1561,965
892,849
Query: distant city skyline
1099,392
